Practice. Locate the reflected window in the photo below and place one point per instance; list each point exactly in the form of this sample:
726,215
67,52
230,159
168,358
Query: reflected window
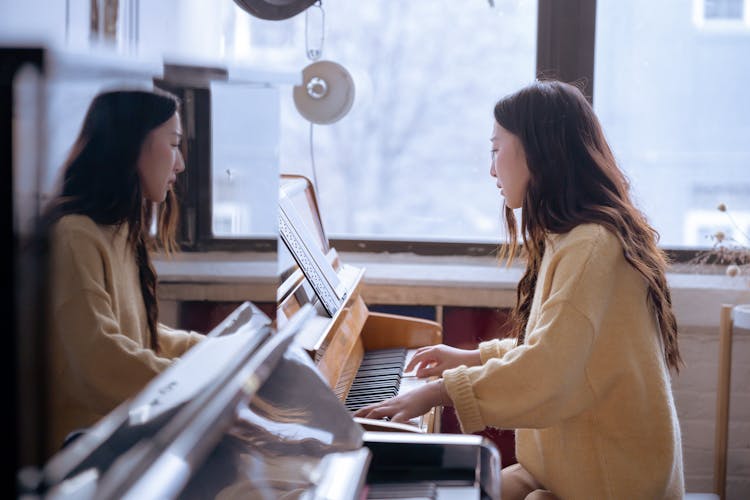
244,159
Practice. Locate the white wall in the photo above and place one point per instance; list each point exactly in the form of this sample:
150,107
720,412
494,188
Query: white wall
695,391
190,28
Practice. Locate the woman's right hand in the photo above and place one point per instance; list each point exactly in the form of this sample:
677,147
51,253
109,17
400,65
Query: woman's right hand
433,360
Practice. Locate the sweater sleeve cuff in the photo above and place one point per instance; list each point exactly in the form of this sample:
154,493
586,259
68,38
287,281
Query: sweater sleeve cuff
495,348
194,338
175,343
458,385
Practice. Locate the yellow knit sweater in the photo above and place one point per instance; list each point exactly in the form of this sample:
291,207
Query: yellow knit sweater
98,331
589,392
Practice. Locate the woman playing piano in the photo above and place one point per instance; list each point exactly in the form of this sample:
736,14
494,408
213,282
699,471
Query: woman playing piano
105,340
585,378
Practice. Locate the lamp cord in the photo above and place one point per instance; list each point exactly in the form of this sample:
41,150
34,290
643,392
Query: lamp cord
314,54
312,162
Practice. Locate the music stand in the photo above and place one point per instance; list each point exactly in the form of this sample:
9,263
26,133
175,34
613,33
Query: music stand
309,257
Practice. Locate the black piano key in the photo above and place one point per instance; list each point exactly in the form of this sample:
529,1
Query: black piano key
376,373
391,368
374,385
385,352
374,382
370,390
376,359
391,357
379,379
382,359
379,353
359,404
371,398
375,366
365,381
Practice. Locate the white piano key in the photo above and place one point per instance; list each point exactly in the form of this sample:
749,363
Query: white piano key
409,354
458,493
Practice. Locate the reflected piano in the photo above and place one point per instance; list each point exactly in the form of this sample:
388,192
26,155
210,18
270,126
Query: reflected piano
362,354
263,425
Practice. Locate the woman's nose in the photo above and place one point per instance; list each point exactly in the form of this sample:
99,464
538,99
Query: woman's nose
492,170
179,163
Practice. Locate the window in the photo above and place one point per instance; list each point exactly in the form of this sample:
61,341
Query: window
410,160
701,226
721,15
722,9
673,102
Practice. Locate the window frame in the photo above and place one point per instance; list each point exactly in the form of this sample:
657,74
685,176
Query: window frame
565,50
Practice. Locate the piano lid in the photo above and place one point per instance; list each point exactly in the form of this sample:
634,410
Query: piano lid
242,331
116,436
217,424
280,446
284,444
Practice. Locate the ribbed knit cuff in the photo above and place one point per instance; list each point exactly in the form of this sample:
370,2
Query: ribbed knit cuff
458,385
489,350
495,348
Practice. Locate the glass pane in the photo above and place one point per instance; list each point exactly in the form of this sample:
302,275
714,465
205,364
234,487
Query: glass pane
723,9
244,159
411,158
673,102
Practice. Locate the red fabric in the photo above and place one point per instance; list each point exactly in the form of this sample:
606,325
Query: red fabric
466,327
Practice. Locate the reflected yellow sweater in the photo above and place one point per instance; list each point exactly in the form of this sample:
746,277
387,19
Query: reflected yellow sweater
589,393
99,354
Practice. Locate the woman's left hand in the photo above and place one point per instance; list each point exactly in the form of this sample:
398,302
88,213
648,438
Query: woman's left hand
406,406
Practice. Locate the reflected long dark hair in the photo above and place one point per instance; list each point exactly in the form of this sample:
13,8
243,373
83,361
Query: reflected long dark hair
100,180
574,179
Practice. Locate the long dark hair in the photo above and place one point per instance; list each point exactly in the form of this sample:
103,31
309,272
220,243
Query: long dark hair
100,180
574,179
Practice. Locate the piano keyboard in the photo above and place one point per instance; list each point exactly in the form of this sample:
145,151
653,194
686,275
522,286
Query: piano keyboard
378,378
381,376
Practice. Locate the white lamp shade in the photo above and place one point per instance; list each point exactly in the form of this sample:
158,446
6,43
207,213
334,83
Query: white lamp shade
326,94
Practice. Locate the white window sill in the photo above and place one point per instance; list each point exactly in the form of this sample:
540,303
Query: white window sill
418,280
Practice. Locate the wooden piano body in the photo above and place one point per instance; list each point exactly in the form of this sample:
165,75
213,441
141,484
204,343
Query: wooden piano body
339,342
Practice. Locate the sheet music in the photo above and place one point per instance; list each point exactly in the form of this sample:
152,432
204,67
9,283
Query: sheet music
309,257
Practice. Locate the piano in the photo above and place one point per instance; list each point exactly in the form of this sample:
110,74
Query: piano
247,414
362,354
